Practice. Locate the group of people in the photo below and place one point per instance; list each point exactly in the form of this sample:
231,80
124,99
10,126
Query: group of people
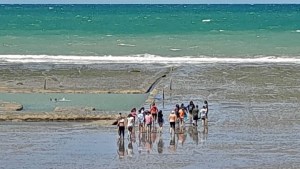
189,112
147,119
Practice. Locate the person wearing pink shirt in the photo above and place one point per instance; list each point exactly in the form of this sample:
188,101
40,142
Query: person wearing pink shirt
148,119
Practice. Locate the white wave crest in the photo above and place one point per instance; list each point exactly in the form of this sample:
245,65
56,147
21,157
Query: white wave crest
142,58
127,45
206,20
175,49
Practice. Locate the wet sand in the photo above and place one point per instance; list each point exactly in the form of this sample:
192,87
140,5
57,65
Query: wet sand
82,145
254,122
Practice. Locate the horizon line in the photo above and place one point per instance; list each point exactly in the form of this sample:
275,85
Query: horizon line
150,3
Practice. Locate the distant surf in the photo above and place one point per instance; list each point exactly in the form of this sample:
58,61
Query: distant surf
142,58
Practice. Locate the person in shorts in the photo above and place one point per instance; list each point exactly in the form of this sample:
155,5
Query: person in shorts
148,119
141,119
203,116
130,123
154,111
172,120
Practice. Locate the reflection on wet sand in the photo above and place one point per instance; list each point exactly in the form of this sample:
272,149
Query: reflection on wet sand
121,148
160,145
130,149
146,142
181,136
193,133
172,147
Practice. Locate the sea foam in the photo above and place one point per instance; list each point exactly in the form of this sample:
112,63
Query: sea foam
142,58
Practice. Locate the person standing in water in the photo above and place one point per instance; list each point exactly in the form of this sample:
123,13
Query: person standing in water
154,111
133,113
206,107
203,116
172,120
195,115
181,117
121,125
130,123
160,120
141,121
148,119
190,109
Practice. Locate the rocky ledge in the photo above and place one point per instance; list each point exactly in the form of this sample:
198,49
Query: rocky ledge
8,106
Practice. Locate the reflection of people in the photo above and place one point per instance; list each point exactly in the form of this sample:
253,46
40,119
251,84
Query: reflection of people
160,145
121,150
153,136
195,135
130,149
172,147
204,134
142,141
149,144
181,137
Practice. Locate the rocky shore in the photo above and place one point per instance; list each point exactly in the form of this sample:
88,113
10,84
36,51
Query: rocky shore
225,85
103,78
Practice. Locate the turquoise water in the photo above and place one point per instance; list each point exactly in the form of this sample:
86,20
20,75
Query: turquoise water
105,102
163,30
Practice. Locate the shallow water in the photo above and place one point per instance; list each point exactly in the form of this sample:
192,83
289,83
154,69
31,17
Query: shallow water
46,101
254,122
79,145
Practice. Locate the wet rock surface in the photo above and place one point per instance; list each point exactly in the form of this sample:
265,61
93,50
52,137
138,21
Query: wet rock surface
10,106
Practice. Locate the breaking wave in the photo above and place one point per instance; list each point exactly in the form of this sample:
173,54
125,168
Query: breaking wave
141,58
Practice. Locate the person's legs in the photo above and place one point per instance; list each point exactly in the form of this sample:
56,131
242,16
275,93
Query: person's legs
142,127
130,131
122,131
160,126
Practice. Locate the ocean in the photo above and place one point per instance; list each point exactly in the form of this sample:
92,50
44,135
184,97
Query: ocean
149,33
